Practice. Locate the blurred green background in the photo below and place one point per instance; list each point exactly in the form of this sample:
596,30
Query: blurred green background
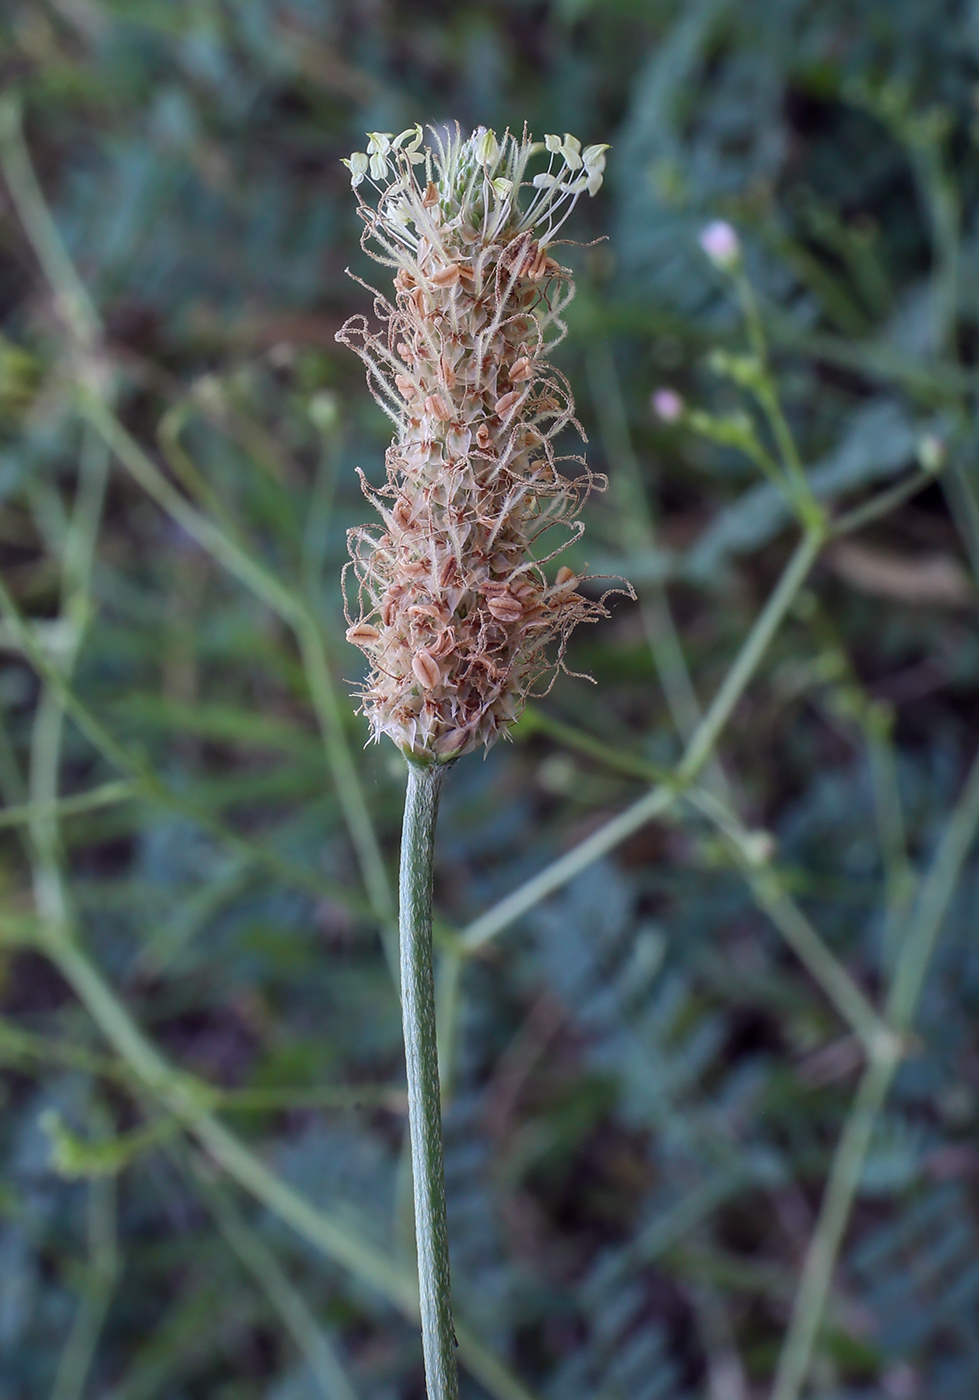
645,1088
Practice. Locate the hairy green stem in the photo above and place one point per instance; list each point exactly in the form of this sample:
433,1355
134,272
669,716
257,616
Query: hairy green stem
424,1099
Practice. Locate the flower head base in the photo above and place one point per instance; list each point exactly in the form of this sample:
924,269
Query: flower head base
458,619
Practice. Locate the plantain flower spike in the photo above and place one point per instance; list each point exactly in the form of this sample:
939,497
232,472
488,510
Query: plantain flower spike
458,619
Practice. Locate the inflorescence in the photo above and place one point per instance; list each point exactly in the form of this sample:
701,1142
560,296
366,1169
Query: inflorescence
458,619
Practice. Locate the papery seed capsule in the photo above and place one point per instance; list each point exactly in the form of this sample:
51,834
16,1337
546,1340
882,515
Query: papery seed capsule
520,370
390,603
537,264
452,742
435,405
446,276
445,643
483,436
362,634
564,576
505,608
426,669
503,406
457,440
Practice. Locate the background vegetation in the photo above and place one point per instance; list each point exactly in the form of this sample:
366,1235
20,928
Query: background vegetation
658,1054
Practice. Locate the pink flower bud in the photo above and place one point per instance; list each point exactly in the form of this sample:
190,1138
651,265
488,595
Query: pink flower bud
668,405
721,244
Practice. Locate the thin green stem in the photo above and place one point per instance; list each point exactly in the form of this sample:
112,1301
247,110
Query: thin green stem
764,880
514,905
350,791
661,797
619,760
319,511
899,873
817,1273
191,1101
942,206
750,656
213,540
184,467
424,1098
76,1358
295,612
638,528
105,795
47,730
809,511
148,785
851,1003
74,302
266,1272
942,381
934,898
963,498
85,325
931,907
19,1047
881,504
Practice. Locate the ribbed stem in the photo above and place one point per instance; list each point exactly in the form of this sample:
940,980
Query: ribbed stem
424,1101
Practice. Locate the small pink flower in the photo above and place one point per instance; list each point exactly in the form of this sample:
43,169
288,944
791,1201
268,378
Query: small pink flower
721,244
668,405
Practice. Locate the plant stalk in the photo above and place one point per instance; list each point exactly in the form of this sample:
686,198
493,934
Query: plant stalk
424,1099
